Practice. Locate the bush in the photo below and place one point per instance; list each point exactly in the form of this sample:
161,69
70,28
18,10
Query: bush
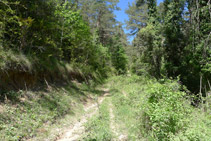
152,110
165,111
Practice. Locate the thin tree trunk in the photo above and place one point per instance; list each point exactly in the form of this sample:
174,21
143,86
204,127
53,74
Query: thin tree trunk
62,34
209,84
206,100
209,4
200,87
197,16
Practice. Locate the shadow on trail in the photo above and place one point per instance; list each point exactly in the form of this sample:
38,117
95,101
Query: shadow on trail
48,99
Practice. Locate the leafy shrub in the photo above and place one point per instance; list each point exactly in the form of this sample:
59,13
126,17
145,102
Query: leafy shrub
165,111
152,110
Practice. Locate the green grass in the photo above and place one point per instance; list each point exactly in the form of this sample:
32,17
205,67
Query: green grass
144,109
98,127
149,110
32,113
124,98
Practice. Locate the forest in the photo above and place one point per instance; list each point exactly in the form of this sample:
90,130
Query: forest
68,71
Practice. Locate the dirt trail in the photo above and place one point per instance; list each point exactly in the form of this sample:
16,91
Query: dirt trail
74,132
114,127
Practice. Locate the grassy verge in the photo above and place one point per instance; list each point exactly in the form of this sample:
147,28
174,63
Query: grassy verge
28,114
151,110
125,93
98,128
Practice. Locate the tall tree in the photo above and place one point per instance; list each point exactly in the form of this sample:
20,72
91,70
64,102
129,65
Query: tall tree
137,13
174,43
148,40
100,17
117,48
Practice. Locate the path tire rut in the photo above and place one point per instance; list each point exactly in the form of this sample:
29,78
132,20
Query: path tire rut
114,127
74,132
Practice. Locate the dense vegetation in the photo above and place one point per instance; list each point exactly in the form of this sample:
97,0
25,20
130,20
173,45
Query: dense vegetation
162,87
43,39
150,110
173,39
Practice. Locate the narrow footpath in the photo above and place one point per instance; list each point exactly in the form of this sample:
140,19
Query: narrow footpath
74,132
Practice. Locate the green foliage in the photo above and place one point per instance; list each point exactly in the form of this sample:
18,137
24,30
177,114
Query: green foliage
75,37
137,16
165,110
25,114
152,110
119,59
174,41
45,36
198,128
14,61
100,16
124,98
152,51
9,20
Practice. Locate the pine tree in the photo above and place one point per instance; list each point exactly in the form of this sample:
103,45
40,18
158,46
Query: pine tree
100,17
174,43
137,13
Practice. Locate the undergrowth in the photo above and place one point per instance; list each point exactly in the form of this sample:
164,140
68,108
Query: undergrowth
150,110
21,71
125,96
27,115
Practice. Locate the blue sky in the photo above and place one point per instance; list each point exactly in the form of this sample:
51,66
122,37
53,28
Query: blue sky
121,15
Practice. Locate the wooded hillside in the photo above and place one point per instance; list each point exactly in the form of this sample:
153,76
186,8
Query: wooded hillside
58,57
57,39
